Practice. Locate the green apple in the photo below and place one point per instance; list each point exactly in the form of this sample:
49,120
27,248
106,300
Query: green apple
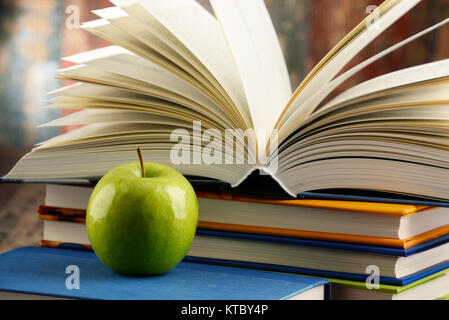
142,225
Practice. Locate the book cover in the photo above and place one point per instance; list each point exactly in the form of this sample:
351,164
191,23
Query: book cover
265,188
42,271
430,288
323,273
385,288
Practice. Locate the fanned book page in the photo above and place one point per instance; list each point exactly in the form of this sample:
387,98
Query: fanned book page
209,95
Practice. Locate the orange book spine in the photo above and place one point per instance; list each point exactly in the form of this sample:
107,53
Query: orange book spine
65,212
61,218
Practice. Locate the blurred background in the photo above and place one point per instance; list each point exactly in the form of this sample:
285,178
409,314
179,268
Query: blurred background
34,35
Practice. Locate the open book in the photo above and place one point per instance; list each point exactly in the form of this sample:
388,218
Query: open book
180,81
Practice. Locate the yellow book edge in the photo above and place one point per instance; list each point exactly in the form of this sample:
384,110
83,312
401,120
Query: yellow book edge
353,206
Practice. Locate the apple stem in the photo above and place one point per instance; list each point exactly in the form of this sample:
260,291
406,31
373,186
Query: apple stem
139,153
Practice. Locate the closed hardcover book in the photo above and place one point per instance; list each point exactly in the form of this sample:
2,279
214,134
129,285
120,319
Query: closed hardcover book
35,271
433,287
370,223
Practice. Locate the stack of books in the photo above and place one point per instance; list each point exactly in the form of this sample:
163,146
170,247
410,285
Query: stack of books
210,95
356,245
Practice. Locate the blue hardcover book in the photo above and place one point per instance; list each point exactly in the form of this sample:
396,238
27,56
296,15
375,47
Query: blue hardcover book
399,252
404,281
51,272
328,259
240,249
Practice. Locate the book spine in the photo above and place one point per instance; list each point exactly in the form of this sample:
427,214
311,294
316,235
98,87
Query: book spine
66,212
61,218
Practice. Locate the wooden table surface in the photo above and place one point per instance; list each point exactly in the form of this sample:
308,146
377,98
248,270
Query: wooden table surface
19,223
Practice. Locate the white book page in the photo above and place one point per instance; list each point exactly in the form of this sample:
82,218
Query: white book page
311,103
120,61
419,94
421,73
104,93
94,116
112,33
420,112
115,35
341,55
259,58
94,96
126,23
199,32
96,75
151,35
101,131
